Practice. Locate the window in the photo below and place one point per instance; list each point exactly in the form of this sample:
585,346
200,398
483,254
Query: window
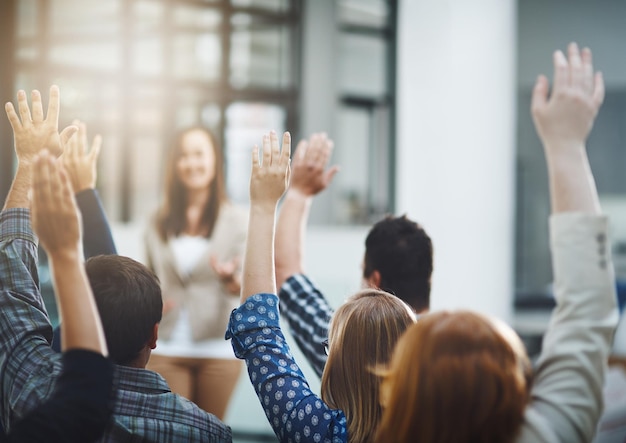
137,70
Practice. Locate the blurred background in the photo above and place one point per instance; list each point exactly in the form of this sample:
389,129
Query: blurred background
428,104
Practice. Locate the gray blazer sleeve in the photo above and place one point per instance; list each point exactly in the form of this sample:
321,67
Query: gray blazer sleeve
566,396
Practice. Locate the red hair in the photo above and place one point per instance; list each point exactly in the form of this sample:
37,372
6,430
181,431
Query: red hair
455,377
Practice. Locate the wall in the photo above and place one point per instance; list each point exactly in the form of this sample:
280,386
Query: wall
456,144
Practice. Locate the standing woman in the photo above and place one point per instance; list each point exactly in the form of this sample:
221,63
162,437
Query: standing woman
194,245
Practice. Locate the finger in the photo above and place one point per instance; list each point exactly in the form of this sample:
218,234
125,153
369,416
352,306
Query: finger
301,149
540,94
561,75
35,98
325,152
16,124
285,154
95,148
255,156
82,139
267,152
52,115
314,150
587,61
576,73
598,89
22,106
275,152
67,133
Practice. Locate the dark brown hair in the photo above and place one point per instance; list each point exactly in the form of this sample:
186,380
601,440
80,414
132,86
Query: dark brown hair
401,251
455,377
171,219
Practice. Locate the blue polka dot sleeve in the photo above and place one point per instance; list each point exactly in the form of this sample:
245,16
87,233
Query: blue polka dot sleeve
294,412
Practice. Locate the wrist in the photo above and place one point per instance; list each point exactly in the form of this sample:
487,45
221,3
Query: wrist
263,207
65,255
298,195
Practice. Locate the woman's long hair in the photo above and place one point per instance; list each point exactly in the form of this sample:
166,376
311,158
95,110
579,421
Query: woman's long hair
362,335
171,218
455,377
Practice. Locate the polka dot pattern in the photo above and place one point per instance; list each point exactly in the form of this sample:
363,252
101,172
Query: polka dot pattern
293,411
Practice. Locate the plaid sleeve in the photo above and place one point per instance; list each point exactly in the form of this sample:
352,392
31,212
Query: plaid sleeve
308,314
26,371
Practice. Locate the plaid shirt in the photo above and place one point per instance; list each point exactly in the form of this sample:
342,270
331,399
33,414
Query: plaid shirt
308,314
145,410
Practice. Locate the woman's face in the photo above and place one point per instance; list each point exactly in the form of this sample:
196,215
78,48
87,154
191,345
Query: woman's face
196,164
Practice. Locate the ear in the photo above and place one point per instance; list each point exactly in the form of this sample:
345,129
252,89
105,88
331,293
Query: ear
374,279
152,341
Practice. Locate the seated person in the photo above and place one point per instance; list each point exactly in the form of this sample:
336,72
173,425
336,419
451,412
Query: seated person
129,302
80,407
398,255
463,377
362,335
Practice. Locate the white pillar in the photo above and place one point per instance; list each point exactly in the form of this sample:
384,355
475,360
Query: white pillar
456,144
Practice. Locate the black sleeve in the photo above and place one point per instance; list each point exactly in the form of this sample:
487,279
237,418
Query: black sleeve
80,407
97,237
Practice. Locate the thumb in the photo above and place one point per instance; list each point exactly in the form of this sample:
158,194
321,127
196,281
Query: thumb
330,174
540,94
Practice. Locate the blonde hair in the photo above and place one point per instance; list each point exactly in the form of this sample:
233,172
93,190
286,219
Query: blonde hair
362,335
455,377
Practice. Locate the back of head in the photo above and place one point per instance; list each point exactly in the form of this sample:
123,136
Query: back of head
401,251
362,335
457,377
128,296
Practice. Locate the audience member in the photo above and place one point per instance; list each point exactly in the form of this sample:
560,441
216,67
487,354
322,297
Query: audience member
462,377
129,302
196,227
362,332
80,165
79,408
398,255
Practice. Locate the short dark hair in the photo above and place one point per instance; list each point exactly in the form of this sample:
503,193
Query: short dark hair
401,251
128,296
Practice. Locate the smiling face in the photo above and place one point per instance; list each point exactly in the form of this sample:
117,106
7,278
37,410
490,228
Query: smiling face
195,166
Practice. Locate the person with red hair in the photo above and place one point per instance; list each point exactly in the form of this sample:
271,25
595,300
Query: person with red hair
463,377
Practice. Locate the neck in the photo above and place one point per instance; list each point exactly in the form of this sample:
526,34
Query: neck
198,197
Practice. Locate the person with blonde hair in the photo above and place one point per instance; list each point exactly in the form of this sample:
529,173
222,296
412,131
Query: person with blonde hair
362,332
462,377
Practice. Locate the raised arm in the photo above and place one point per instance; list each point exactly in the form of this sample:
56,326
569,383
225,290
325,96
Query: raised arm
309,177
293,410
80,163
55,220
267,184
566,394
563,122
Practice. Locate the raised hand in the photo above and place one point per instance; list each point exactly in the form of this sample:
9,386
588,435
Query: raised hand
309,175
79,161
54,214
566,118
34,132
270,179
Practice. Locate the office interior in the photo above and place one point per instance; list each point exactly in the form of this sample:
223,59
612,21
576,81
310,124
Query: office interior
427,102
